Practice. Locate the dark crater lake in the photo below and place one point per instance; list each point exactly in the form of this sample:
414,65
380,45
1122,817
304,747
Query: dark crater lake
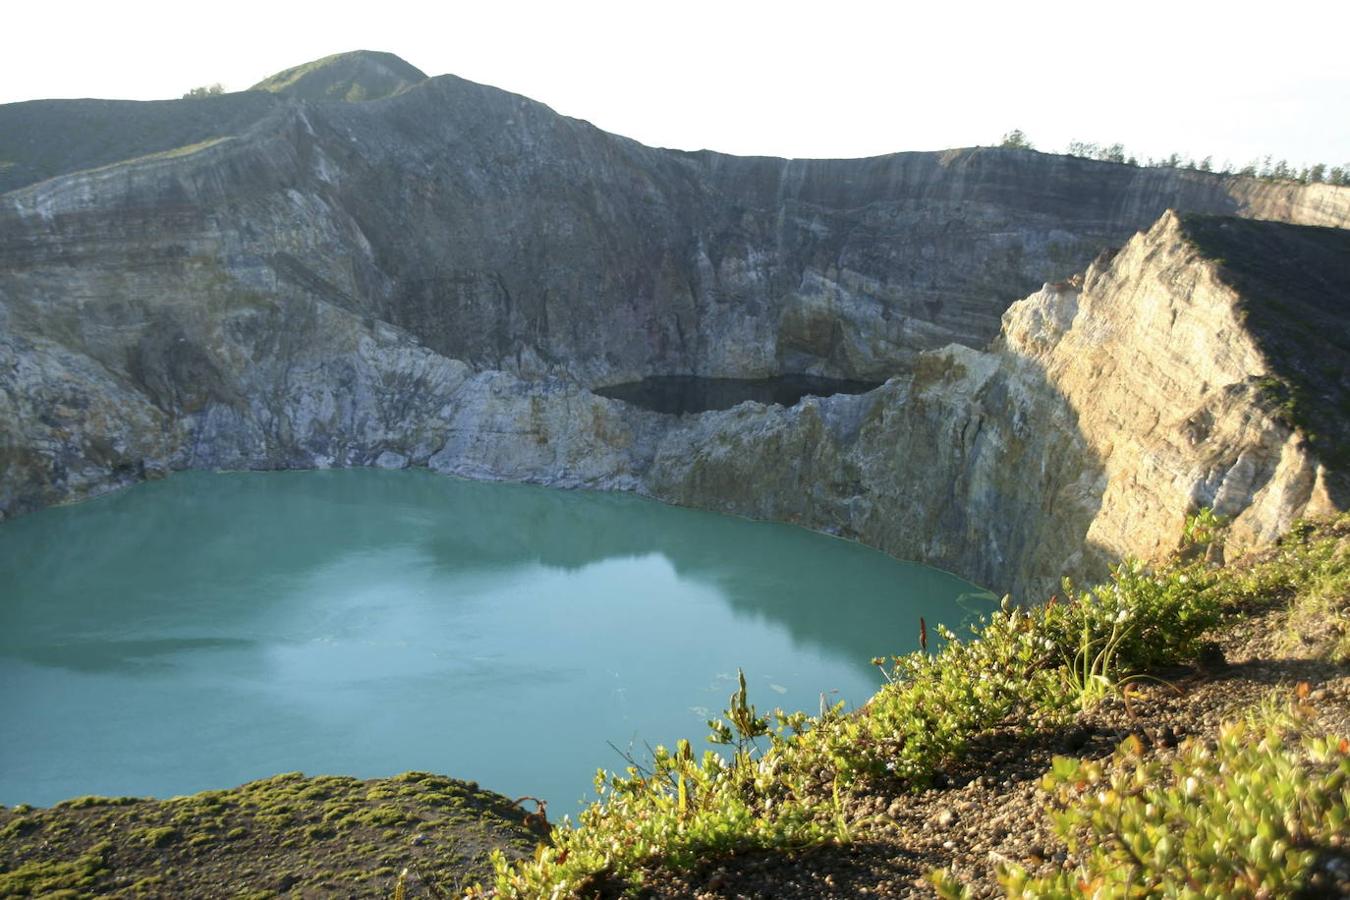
209,629
683,394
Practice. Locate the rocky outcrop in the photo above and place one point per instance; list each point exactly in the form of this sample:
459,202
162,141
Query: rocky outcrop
438,277
1170,387
1110,407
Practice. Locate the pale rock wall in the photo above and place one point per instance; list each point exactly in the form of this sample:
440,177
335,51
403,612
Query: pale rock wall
1154,359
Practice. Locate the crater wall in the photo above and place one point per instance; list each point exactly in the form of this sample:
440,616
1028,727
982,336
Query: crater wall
439,276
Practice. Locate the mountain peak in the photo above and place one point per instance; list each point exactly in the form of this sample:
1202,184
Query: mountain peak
352,76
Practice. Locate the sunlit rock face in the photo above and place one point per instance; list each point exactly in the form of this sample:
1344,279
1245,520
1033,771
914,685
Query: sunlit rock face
438,277
1109,408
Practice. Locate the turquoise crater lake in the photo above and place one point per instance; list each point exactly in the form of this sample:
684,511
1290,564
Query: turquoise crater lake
209,629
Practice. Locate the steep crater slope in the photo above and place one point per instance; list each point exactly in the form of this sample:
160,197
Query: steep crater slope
1294,300
503,234
437,278
41,139
516,239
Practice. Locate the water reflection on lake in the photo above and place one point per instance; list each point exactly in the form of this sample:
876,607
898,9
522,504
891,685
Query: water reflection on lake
214,628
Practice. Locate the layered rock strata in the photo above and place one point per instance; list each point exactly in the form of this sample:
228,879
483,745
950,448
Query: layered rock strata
438,277
498,232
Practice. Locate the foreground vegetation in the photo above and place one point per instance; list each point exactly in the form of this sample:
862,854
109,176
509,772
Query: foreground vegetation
1246,818
1243,817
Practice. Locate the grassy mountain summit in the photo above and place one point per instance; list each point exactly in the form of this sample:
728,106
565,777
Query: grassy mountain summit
353,76
42,139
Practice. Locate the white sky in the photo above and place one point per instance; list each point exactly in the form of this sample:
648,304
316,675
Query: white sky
785,78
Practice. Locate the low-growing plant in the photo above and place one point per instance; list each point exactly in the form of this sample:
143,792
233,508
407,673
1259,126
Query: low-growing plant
678,811
1309,570
54,878
1244,819
1203,528
933,705
1020,667
1091,675
1170,610
746,726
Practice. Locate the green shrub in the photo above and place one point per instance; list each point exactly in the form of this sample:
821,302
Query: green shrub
678,812
1152,618
1017,668
1203,528
1245,819
1310,571
933,706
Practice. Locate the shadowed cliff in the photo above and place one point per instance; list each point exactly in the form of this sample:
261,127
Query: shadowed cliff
1295,290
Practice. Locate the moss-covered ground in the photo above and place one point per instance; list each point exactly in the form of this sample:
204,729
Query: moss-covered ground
283,836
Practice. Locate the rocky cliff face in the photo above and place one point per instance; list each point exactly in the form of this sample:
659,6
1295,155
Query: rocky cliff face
437,278
1109,408
500,233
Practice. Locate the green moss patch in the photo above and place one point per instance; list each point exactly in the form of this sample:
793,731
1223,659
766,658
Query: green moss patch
272,837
